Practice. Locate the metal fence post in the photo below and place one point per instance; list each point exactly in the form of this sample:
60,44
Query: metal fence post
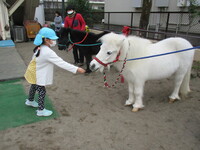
108,20
167,23
63,9
131,19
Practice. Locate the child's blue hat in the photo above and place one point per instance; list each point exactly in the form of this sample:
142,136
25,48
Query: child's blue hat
45,33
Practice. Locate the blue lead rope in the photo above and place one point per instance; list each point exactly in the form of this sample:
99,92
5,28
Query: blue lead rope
164,54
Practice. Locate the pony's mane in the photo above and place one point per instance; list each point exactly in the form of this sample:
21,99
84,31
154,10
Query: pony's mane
115,38
112,38
136,46
139,39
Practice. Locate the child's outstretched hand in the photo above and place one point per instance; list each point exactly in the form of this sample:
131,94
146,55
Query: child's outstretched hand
81,70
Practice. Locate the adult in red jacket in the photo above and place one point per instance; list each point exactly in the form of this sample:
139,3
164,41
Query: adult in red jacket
75,21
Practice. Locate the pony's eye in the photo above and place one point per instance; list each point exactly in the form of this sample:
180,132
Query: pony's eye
109,52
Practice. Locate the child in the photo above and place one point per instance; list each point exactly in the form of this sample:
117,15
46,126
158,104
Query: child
40,70
58,23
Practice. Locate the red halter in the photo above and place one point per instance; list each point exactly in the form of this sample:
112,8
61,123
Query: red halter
105,65
79,42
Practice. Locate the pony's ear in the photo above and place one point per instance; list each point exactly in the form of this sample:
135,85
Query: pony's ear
121,40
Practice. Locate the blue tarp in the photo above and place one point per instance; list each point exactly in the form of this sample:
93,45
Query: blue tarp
7,43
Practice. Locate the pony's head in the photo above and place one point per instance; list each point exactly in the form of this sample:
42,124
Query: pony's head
63,41
109,53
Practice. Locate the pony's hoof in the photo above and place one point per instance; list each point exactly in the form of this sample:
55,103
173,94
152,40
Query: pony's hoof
136,109
127,103
172,100
88,71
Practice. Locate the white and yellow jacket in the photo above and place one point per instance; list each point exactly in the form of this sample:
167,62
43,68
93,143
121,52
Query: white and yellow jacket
40,69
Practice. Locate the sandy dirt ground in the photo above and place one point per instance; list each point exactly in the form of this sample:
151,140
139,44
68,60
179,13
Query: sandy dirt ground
94,118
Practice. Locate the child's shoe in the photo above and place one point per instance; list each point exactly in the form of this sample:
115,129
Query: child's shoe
44,112
31,103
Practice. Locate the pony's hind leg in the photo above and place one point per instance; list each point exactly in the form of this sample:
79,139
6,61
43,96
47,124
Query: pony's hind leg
130,99
177,84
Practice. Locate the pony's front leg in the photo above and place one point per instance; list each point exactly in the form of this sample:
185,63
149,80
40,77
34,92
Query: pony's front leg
88,60
138,93
130,99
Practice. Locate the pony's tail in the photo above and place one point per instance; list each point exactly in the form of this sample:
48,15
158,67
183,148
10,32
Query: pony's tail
185,86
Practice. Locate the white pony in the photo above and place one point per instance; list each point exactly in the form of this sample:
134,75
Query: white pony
137,72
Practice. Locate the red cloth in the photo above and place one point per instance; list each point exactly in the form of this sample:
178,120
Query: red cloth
126,30
79,22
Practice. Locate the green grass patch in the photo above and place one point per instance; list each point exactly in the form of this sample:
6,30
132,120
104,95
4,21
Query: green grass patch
13,110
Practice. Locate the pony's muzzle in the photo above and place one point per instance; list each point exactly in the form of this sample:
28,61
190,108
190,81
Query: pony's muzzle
92,67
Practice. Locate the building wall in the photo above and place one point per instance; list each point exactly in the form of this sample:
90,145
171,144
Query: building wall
134,5
97,6
118,5
157,21
4,21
